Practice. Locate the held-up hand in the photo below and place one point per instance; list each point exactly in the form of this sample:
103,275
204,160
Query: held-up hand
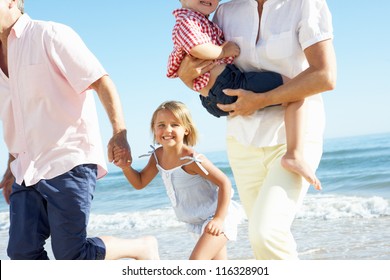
214,227
191,68
245,105
230,49
119,140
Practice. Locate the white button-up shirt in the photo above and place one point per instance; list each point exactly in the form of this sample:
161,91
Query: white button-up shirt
286,29
49,118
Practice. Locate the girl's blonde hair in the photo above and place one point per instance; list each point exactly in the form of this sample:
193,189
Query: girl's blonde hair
181,112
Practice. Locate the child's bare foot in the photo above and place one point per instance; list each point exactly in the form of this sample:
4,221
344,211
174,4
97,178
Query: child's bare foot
301,168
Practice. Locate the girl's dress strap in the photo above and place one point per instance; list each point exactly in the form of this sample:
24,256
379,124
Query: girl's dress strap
149,153
197,161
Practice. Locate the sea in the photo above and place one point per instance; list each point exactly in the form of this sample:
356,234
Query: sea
348,220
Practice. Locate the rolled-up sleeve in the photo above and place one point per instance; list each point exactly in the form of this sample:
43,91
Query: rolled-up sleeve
316,23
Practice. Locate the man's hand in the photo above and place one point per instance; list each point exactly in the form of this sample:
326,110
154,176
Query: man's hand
6,184
247,102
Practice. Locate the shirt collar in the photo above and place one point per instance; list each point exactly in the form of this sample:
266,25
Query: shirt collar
20,25
185,11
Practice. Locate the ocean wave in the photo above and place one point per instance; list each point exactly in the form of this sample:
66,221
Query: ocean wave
320,206
335,207
4,221
160,218
353,152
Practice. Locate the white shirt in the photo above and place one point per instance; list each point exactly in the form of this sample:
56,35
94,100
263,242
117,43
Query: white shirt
49,117
287,28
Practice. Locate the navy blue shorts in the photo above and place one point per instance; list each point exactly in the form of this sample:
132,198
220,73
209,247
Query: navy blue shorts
232,78
58,208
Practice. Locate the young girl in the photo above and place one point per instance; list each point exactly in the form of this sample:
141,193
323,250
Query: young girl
200,193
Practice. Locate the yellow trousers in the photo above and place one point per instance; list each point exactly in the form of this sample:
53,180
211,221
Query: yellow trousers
270,195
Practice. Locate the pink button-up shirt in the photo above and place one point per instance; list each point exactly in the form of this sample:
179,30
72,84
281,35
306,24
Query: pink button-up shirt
49,117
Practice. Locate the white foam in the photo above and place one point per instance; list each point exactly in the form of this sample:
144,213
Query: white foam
335,207
4,221
160,218
314,207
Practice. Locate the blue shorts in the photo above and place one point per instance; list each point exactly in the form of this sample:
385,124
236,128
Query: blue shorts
232,78
58,208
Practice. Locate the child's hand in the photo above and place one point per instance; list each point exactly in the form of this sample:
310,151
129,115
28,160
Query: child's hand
230,49
118,154
214,227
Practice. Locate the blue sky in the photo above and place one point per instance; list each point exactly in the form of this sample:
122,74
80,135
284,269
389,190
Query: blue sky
132,39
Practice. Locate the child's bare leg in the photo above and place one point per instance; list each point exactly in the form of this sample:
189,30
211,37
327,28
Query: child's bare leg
222,254
143,248
210,247
293,159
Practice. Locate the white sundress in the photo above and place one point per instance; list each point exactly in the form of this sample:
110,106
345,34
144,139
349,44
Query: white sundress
194,198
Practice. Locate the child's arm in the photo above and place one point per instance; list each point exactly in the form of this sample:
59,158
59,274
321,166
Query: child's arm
141,179
216,176
209,51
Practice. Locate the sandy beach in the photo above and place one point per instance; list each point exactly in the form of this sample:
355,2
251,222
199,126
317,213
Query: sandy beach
346,239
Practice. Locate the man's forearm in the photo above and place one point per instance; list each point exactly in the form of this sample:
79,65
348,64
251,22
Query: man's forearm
110,100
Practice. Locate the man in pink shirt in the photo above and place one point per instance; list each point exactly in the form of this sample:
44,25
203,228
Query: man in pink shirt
52,134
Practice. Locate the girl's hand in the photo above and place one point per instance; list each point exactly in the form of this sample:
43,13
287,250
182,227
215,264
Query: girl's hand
214,227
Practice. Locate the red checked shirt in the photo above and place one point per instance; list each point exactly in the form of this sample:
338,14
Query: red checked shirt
192,29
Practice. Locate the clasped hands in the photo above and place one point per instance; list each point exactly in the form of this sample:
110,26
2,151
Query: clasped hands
119,151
